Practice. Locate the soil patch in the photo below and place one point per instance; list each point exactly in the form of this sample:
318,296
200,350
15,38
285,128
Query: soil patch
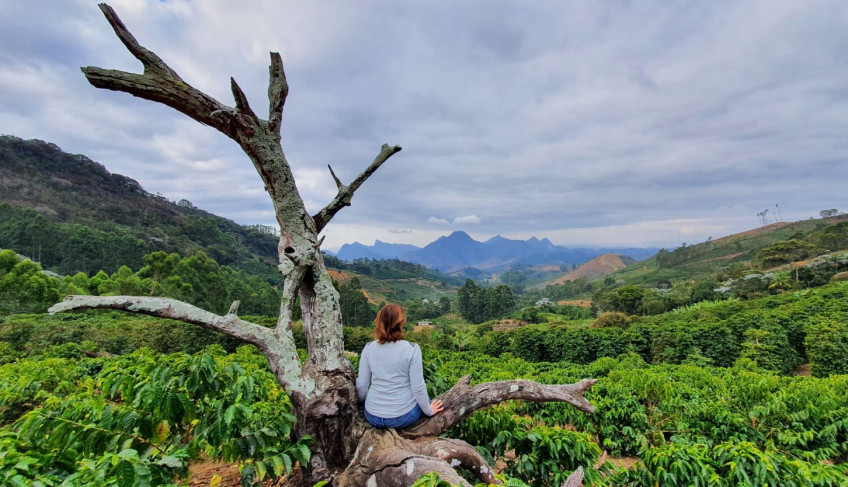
621,462
219,474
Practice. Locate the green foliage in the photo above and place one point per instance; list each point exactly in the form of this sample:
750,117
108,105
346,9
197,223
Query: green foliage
543,455
737,255
704,290
478,305
827,348
24,288
632,300
419,309
831,237
93,220
729,464
139,419
387,269
434,480
772,331
784,252
611,319
197,279
355,308
685,422
557,292
111,332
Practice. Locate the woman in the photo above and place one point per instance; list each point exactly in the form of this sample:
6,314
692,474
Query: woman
391,366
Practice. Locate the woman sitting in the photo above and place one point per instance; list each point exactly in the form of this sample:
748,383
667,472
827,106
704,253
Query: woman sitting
391,366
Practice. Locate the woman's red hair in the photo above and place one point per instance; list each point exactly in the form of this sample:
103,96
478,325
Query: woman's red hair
389,324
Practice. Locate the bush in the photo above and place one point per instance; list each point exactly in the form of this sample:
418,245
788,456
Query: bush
611,319
827,348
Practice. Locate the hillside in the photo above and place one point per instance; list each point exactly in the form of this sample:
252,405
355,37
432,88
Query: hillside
598,267
738,253
71,214
397,290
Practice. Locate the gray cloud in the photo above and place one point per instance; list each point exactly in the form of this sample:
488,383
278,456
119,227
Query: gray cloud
644,122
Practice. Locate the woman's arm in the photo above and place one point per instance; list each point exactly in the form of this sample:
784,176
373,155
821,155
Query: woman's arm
363,380
416,379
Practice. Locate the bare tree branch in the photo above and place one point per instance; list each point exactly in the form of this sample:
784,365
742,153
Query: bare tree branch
162,84
285,363
575,479
321,390
241,100
278,90
345,194
149,59
169,308
339,184
462,400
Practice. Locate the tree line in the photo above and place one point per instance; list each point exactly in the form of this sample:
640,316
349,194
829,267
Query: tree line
197,279
89,247
482,304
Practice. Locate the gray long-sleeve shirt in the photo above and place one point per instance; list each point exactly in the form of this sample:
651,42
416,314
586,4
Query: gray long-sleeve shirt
396,377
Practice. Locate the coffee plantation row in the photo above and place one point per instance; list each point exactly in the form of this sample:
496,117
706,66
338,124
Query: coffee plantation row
141,419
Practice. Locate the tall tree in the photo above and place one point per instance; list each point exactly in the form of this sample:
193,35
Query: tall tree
345,450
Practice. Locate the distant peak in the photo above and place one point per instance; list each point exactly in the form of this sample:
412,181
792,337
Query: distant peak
353,244
459,234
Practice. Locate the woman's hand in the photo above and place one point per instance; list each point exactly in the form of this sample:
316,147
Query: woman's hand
437,406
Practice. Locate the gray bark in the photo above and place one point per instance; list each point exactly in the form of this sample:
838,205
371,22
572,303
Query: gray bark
345,449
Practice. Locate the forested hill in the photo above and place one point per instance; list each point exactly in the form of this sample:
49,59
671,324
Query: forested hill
765,249
71,214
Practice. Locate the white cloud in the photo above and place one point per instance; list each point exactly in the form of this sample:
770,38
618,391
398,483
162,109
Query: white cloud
627,114
438,221
466,220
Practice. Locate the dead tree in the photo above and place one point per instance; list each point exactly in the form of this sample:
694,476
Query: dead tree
345,451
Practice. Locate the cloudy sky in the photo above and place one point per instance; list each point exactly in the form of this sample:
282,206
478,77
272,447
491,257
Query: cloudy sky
639,123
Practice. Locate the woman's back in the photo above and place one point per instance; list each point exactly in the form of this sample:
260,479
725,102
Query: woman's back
395,373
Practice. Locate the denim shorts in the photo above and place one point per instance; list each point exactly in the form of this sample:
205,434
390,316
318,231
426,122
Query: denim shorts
404,421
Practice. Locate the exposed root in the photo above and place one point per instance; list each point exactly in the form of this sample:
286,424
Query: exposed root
385,458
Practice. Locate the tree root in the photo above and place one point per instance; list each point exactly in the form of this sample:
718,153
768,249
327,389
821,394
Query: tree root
397,458
386,458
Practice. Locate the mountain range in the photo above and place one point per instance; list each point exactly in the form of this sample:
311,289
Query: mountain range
457,252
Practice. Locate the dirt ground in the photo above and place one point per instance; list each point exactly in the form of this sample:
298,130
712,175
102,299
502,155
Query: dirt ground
625,462
217,474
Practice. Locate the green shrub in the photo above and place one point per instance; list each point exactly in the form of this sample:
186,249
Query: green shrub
827,348
611,319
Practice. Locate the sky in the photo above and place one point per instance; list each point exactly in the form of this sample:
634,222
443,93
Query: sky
609,123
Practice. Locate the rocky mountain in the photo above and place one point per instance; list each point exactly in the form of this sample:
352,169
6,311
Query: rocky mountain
458,253
380,250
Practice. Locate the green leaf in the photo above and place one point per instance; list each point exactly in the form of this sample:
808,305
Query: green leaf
248,475
170,461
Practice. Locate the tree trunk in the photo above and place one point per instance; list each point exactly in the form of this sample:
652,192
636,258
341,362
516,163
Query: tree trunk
346,451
